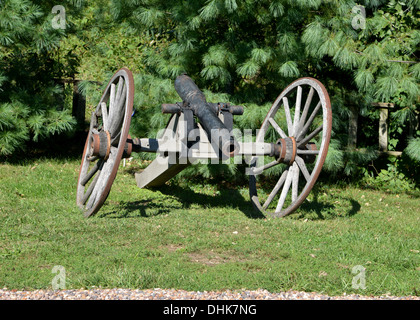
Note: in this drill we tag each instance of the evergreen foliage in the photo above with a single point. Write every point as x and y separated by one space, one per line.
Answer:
382 58
244 52
31 102
413 149
245 48
253 49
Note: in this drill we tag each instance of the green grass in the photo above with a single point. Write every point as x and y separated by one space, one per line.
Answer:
202 237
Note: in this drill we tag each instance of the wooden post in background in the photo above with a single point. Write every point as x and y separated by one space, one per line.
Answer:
383 124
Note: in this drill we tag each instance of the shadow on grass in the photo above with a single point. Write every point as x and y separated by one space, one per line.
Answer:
186 198
318 209
140 208
226 198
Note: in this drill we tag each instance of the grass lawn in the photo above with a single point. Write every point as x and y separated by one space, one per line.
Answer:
202 237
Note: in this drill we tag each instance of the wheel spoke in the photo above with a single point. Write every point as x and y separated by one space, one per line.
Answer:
105 118
112 104
297 109
115 140
288 117
93 121
275 190
256 171
120 88
119 114
305 109
93 192
307 152
302 167
295 182
277 128
92 171
310 136
89 190
285 190
309 122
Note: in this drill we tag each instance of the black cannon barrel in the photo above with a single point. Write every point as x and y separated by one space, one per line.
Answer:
205 112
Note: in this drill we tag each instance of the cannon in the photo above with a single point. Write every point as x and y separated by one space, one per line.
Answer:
285 156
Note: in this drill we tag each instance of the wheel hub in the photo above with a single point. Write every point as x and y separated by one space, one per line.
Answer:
285 150
100 145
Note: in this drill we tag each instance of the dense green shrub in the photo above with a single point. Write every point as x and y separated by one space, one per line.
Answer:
31 99
252 49
244 52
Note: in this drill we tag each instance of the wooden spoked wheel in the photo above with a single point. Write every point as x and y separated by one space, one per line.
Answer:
106 141
299 122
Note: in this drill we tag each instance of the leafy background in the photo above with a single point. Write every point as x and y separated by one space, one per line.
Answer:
244 52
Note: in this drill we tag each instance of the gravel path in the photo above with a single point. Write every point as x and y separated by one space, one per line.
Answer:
171 294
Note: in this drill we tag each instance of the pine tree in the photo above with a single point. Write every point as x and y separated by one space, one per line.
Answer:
377 46
253 49
31 105
245 48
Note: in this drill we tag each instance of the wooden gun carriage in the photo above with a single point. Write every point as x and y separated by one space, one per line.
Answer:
295 134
